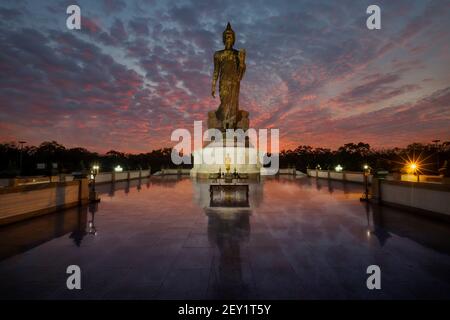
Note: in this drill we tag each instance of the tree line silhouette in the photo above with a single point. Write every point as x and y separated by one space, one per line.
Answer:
54 158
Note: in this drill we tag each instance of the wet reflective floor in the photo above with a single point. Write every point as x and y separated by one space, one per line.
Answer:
164 238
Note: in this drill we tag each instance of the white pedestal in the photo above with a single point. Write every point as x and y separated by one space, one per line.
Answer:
212 159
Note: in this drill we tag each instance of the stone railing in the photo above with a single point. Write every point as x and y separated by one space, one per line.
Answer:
24 201
177 171
350 176
30 180
108 177
422 196
421 178
288 171
102 177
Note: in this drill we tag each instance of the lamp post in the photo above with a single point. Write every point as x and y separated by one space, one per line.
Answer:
436 145
21 152
366 168
414 169
93 195
95 169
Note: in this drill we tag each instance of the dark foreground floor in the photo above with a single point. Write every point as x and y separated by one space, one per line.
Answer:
299 239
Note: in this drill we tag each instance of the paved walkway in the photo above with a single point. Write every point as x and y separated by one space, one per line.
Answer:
299 239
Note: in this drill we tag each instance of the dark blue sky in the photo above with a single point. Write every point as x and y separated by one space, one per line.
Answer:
139 69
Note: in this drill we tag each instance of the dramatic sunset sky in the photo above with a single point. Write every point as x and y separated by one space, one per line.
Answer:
139 69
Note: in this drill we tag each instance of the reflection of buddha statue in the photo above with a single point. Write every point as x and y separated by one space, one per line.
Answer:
228 231
229 68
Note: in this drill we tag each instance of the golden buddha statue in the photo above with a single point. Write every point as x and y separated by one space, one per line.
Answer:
229 68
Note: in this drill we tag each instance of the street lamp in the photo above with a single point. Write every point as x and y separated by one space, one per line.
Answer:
118 168
338 168
436 145
93 195
94 172
414 168
21 152
366 168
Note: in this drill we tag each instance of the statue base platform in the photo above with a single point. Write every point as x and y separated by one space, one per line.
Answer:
229 195
211 160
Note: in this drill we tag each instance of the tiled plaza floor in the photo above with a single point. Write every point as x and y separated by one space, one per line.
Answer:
299 239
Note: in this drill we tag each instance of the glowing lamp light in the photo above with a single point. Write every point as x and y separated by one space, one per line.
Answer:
338 168
96 167
366 167
118 169
412 167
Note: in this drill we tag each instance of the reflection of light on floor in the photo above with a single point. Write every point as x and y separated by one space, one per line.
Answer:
286 244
